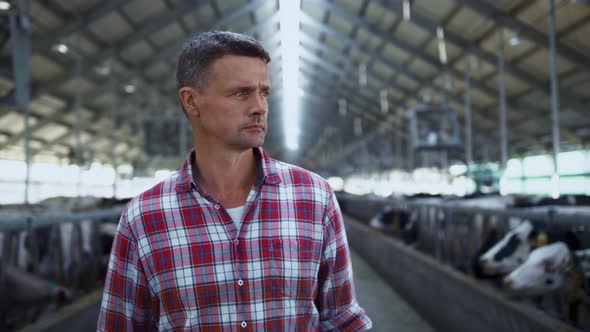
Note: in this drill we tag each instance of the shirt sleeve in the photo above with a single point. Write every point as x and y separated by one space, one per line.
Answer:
127 304
336 302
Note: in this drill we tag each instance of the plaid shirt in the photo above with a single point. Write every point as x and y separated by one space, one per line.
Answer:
179 263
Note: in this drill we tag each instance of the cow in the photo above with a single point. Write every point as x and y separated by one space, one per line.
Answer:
397 222
511 251
553 270
515 247
542 272
385 220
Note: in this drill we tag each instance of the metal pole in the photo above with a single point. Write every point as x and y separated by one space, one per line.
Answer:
502 101
445 89
78 106
468 143
398 140
554 99
20 29
114 108
410 155
139 124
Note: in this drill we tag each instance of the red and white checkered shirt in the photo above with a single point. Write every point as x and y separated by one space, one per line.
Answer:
179 263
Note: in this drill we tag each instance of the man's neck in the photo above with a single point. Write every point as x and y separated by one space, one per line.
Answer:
228 176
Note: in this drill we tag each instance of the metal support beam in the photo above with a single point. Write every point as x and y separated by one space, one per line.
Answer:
398 139
139 129
554 98
462 43
101 10
353 44
78 104
502 102
56 82
114 142
20 27
502 18
478 84
467 112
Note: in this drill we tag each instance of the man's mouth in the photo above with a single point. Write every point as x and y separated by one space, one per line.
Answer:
255 127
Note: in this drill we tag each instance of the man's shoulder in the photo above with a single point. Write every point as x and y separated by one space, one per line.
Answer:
152 200
295 175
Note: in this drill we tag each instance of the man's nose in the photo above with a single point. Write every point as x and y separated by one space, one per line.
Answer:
260 105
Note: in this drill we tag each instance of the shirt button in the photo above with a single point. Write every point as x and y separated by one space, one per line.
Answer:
244 324
240 282
236 242
217 206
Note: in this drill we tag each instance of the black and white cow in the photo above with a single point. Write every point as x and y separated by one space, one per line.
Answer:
553 270
397 222
510 252
543 271
515 247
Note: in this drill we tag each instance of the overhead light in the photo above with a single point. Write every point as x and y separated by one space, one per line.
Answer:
4 5
289 31
129 88
514 39
103 70
406 9
442 49
61 48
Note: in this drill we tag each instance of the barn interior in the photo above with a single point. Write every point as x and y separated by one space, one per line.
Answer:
450 130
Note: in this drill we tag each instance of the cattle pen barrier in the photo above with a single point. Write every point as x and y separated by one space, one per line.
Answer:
426 273
447 299
20 232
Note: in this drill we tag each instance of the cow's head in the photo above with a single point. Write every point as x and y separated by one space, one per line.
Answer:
543 271
510 252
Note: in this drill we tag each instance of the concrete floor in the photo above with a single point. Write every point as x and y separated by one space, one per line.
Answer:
386 308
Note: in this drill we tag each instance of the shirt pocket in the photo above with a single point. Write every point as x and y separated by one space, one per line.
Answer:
294 267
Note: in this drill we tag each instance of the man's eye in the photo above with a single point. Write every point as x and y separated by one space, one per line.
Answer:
241 93
265 94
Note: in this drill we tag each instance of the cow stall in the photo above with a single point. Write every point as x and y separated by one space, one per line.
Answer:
435 273
50 258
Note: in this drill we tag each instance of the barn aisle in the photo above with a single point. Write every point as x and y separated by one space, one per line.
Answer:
384 305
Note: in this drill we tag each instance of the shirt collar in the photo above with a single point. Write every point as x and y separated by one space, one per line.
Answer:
267 172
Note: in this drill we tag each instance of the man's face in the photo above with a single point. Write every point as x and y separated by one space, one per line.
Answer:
233 104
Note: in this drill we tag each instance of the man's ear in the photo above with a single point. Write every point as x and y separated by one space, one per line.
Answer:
189 97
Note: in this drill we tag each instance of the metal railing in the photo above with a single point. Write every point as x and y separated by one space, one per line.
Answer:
23 234
453 234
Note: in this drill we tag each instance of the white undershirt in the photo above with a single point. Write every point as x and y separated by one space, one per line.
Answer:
236 215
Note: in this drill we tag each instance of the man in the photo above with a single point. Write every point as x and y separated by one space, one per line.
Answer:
235 240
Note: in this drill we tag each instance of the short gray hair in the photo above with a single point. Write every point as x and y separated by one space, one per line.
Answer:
199 53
